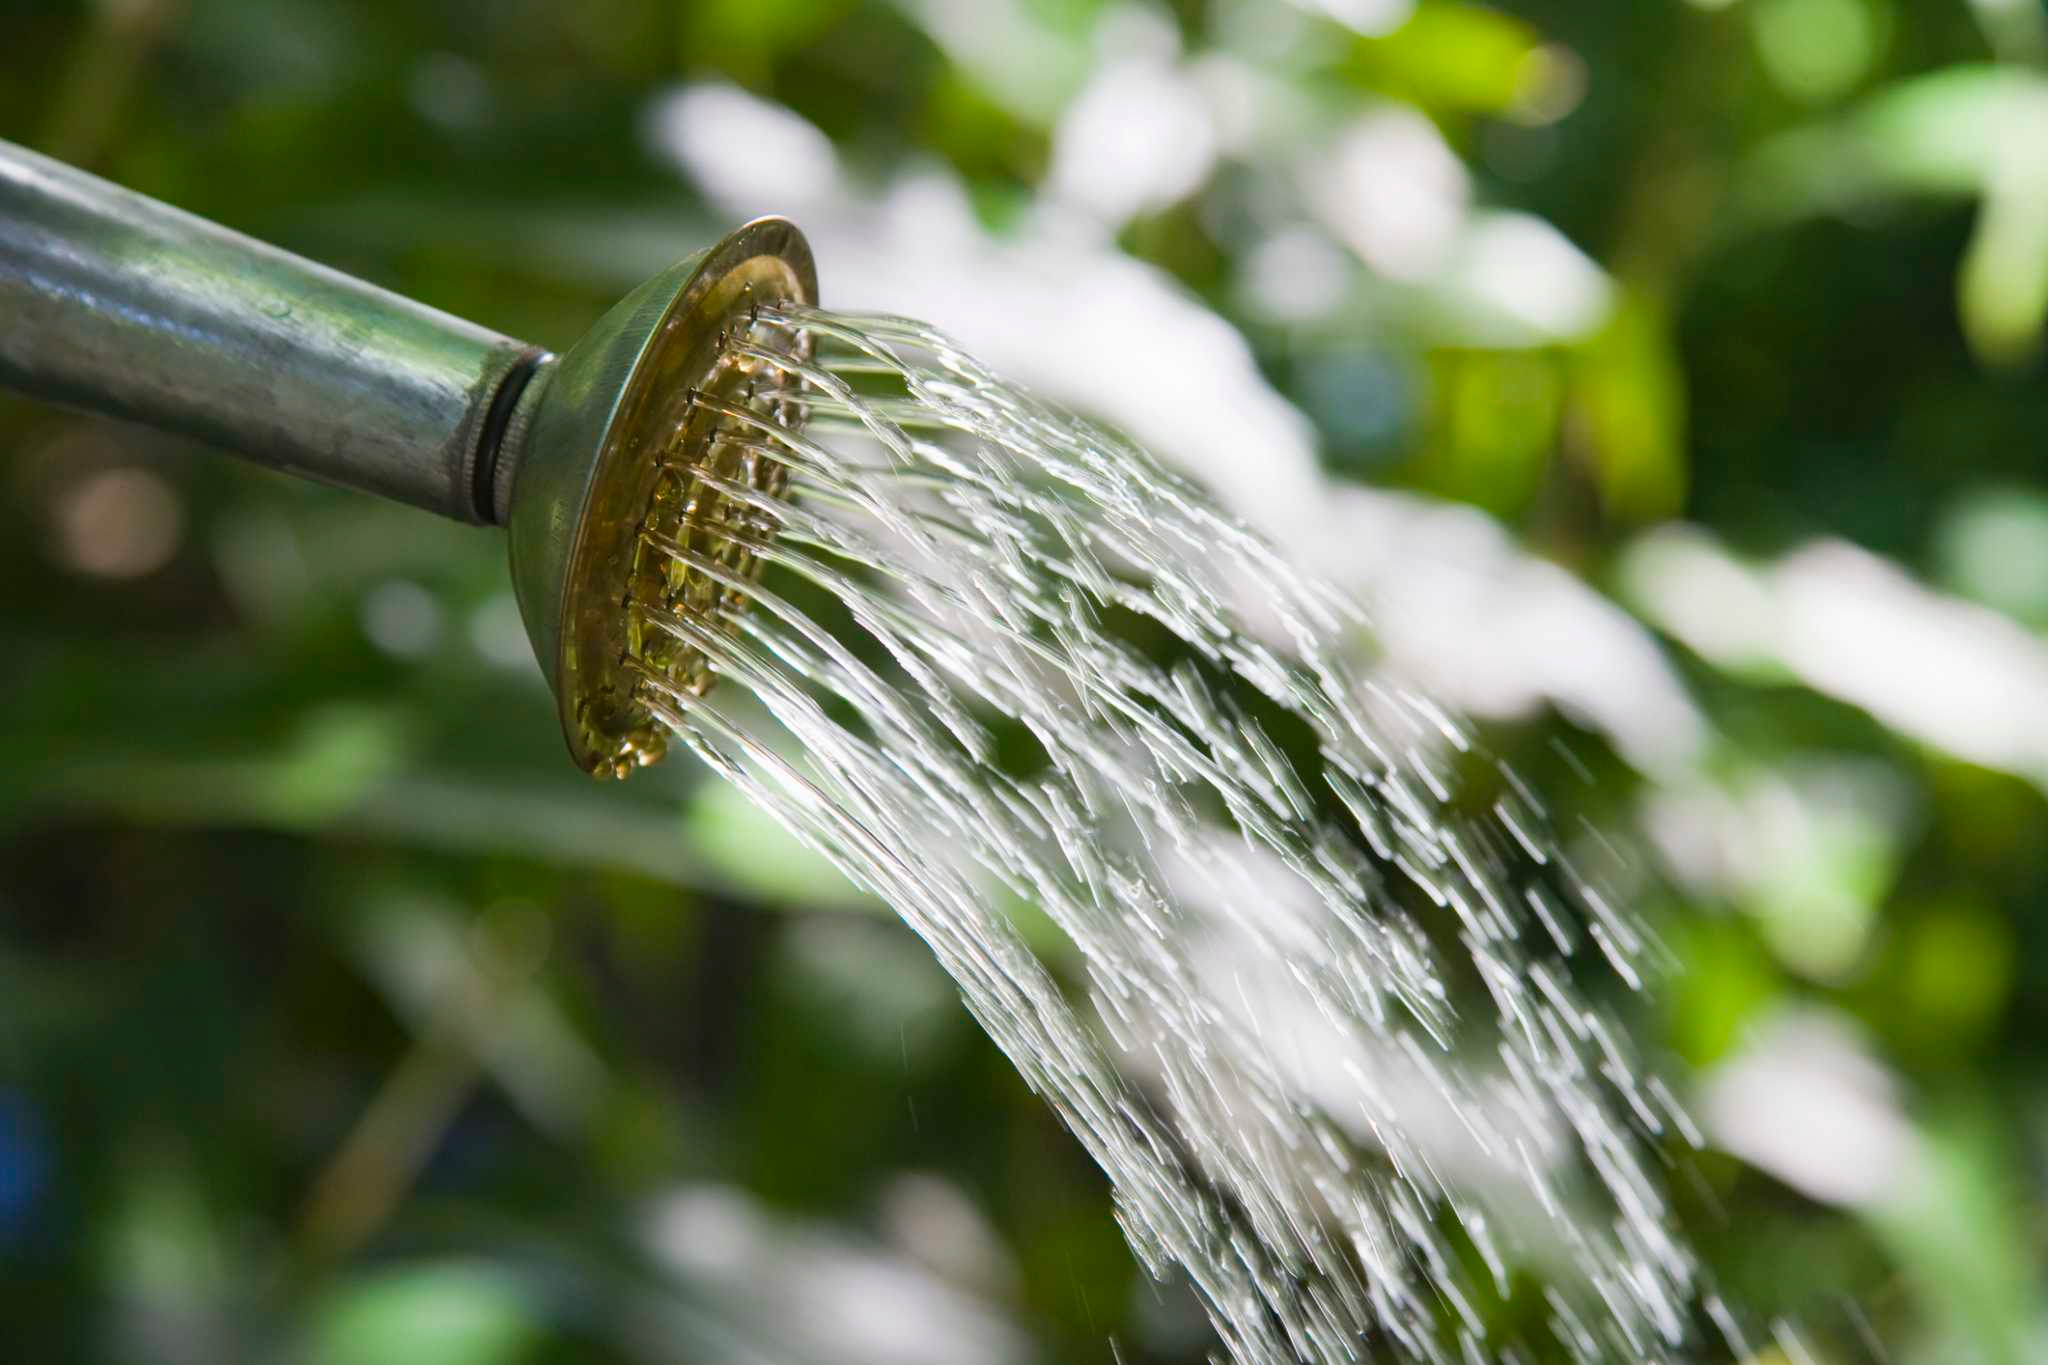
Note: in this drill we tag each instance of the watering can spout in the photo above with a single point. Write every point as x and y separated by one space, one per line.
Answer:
115 303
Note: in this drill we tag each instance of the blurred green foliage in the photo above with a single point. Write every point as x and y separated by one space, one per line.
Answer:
341 1021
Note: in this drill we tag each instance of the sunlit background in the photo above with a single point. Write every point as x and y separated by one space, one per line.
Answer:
1666 376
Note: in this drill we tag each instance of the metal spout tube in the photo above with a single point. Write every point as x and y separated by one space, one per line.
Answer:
115 303
118 304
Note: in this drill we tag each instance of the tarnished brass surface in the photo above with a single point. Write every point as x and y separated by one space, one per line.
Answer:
628 392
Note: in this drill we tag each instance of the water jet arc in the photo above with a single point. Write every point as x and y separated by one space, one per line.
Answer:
115 303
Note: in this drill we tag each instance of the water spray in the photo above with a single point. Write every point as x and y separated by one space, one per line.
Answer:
1298 1107
115 303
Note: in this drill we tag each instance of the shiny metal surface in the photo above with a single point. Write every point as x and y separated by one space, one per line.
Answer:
116 303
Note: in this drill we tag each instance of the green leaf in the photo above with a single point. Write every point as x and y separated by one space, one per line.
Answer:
1493 426
1956 1226
1626 405
1453 58
452 1313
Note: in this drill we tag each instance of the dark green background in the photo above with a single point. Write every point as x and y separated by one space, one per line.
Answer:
342 1021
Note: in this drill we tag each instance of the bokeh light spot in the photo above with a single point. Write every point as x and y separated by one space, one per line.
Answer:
119 523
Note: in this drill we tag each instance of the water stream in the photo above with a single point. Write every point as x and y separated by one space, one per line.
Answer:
1339 1050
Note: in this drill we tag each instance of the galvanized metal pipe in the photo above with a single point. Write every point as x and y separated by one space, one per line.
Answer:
118 304
115 303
